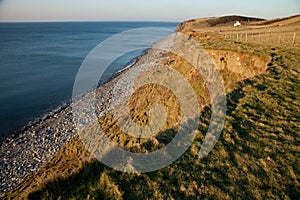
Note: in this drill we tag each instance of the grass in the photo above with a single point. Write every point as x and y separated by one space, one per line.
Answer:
256 157
278 32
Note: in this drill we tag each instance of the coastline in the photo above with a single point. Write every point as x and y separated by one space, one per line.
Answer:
28 148
65 104
256 117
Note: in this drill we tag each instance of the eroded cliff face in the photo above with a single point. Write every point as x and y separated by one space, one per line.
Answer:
186 25
237 66
233 65
246 65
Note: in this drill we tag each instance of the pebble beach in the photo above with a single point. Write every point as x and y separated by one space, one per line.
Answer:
25 151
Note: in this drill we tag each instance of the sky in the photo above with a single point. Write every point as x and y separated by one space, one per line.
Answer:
141 10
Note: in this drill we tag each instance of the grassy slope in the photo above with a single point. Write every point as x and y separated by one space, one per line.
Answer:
257 155
215 21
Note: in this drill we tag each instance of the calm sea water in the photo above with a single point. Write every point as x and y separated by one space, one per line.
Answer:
39 62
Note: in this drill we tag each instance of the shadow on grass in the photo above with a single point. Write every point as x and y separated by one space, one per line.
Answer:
86 182
241 171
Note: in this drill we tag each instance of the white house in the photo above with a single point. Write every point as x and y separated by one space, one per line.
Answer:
237 24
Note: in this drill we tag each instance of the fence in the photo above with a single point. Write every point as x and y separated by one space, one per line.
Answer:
265 37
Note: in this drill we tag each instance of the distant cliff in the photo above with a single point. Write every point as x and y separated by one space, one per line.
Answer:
214 21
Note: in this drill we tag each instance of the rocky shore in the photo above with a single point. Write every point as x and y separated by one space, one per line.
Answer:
26 151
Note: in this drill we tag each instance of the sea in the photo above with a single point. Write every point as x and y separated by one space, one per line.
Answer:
39 63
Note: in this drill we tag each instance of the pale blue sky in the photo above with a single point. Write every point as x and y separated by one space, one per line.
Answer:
141 10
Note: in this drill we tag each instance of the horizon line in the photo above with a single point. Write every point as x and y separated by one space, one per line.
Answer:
131 20
96 20
50 21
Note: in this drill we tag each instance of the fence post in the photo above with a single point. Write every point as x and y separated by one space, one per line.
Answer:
294 37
